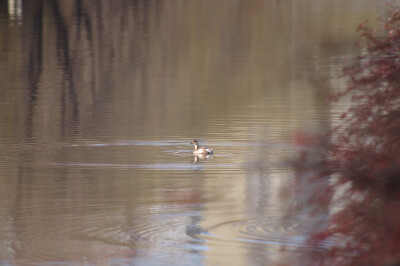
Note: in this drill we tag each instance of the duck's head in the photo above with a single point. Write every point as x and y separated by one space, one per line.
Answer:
196 145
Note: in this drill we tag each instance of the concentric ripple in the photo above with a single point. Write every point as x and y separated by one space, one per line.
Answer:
165 238
290 231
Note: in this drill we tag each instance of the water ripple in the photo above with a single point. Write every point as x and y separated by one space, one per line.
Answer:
160 166
290 231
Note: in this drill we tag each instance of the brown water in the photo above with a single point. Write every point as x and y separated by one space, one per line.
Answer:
99 101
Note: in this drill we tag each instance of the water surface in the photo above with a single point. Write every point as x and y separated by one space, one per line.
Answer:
99 103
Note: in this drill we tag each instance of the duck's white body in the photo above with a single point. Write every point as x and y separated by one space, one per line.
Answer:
201 150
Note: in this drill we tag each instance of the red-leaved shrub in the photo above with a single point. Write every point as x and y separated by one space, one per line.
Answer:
360 164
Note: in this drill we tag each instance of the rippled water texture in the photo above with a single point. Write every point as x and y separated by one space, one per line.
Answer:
99 101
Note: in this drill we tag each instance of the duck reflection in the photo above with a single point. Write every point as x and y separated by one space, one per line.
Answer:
198 157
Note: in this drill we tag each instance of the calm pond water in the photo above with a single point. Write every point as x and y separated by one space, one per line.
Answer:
99 103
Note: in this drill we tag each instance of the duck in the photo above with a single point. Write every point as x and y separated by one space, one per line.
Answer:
201 150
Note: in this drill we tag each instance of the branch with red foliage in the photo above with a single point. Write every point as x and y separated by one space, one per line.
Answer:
362 162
